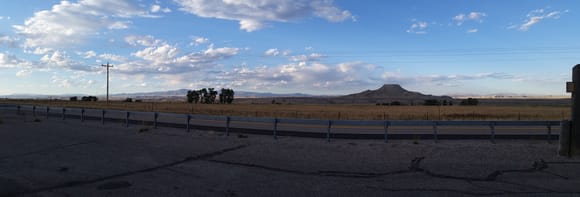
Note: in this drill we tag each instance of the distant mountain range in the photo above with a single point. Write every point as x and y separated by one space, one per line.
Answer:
153 95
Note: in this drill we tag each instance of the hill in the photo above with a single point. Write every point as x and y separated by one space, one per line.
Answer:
389 93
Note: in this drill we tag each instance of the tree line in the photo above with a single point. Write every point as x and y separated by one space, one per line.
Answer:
209 96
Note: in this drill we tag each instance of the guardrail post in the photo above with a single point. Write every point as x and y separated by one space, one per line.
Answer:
188 119
47 110
492 130
549 133
127 119
103 117
228 119
82 115
435 133
328 131
275 131
155 116
386 129
34 111
63 113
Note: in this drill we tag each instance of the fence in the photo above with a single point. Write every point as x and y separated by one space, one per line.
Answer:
301 127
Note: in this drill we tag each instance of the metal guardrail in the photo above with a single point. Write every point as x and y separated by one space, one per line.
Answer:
128 117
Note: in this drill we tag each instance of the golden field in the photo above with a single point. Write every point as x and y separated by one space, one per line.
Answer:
336 111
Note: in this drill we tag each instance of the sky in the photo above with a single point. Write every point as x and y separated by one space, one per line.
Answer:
320 47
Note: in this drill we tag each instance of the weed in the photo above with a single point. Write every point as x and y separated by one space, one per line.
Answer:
143 129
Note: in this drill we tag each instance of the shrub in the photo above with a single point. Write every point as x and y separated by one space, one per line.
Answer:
431 102
470 101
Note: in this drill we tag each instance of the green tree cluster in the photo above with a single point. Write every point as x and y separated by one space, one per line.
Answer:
209 96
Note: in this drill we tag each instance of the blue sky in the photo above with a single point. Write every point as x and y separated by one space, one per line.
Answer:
321 47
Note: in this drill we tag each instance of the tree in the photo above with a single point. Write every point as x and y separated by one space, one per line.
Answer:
193 96
470 101
226 96
89 98
74 98
212 95
209 96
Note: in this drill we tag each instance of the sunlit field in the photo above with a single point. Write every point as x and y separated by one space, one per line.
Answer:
335 112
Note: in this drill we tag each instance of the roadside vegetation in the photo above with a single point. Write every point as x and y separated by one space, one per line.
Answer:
335 111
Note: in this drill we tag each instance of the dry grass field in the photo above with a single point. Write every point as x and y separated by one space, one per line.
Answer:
342 112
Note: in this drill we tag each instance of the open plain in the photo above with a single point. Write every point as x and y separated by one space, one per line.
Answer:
66 158
544 110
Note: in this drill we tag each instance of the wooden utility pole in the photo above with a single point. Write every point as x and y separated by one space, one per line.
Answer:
107 66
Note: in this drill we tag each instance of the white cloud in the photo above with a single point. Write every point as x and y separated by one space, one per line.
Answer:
536 16
112 57
163 58
303 75
252 15
8 41
418 27
197 40
157 8
68 24
474 30
307 58
272 52
5 17
61 60
8 61
87 54
472 16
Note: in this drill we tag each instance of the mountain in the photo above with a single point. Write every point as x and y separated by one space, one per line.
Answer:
385 94
389 93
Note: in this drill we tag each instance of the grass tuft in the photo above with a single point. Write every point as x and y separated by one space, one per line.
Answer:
143 129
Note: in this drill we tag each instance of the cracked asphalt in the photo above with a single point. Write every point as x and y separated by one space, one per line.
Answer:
54 157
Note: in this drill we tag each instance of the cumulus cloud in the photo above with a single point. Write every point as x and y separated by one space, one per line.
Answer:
472 16
304 75
112 57
307 58
418 27
252 15
536 16
87 54
11 61
8 41
157 8
272 52
197 40
161 57
8 61
69 24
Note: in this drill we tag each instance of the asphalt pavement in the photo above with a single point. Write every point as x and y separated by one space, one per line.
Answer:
54 157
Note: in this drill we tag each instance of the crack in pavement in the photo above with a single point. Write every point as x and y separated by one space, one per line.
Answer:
49 149
128 173
538 166
465 192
